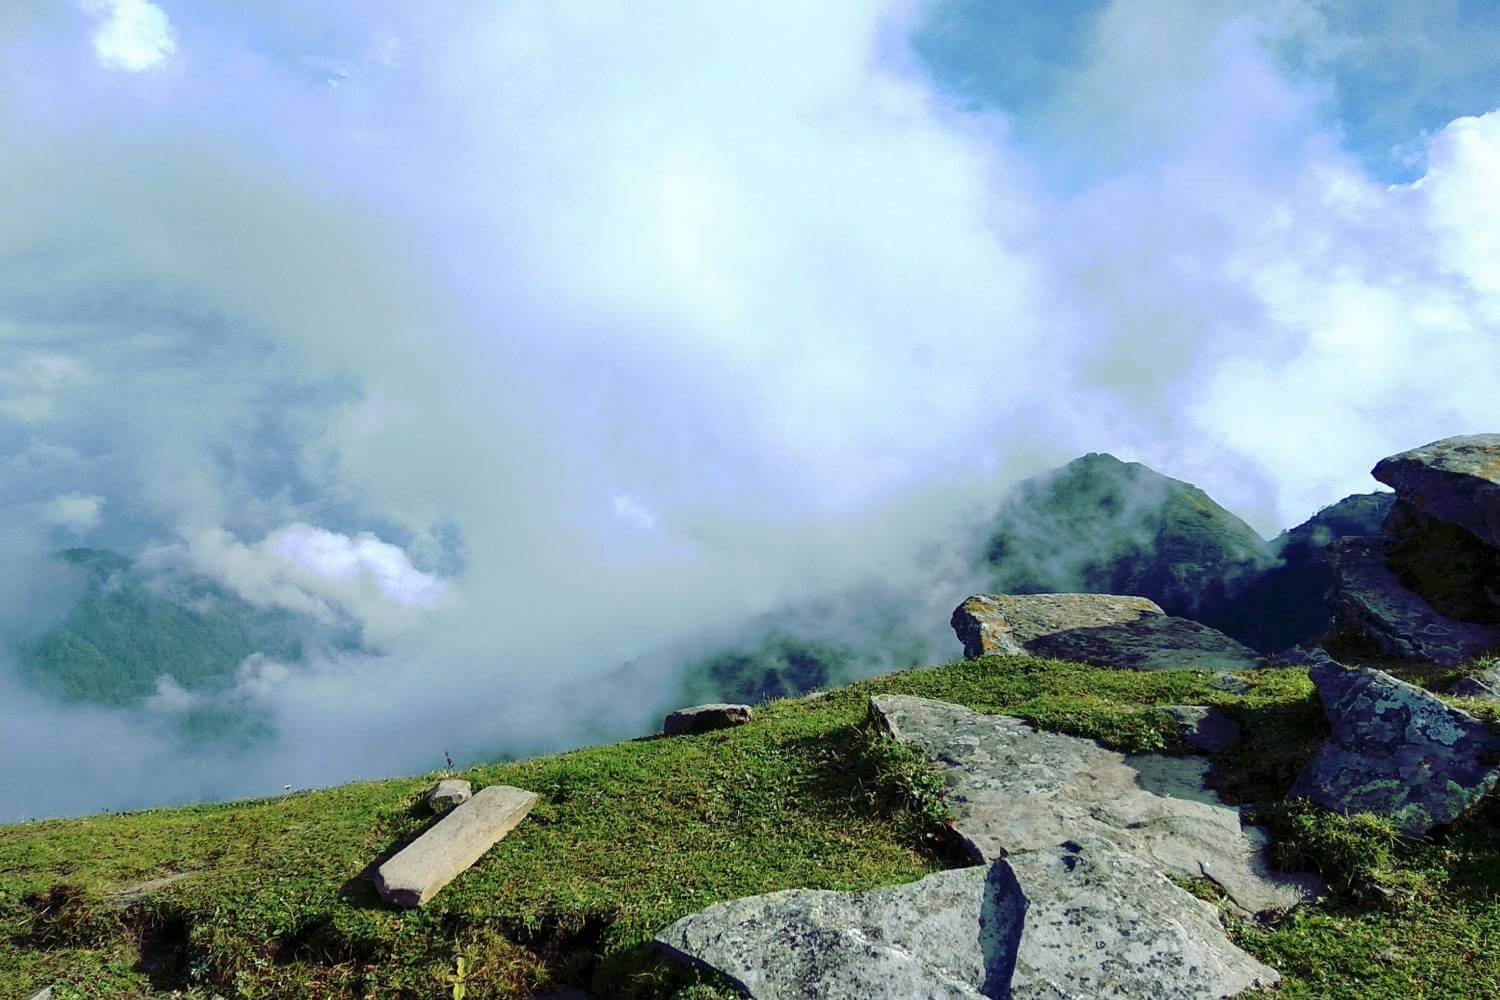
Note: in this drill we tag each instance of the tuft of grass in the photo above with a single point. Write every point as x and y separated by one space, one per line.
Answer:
1358 856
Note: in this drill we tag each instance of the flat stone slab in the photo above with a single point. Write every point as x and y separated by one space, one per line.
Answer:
1068 922
452 845
1455 480
1368 601
447 793
1012 788
704 718
1101 629
1397 751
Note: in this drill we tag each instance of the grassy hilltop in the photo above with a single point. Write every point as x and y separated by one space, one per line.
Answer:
270 899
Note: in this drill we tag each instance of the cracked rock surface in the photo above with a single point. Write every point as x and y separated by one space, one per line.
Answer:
1075 921
1012 788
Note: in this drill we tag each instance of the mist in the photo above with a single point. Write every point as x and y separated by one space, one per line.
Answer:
552 343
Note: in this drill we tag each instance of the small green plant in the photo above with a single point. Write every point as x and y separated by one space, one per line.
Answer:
460 978
902 780
1359 855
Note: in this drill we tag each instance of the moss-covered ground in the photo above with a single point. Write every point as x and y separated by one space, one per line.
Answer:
273 898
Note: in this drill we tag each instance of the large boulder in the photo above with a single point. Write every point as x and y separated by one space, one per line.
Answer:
1455 480
1443 534
1397 751
1065 922
1101 629
1012 788
1369 603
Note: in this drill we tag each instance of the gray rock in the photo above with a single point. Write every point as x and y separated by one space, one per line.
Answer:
1204 727
1485 684
1396 751
1103 923
1230 683
1012 788
702 718
446 794
1101 629
1302 656
1455 480
1079 920
437 857
1368 602
45 994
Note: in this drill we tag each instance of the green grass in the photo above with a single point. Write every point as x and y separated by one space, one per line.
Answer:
631 836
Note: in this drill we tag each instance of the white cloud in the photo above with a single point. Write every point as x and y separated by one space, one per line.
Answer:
134 35
77 512
314 571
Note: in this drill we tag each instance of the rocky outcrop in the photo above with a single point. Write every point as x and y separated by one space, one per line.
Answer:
704 718
1370 603
1397 751
1455 481
447 850
1012 788
1064 922
1101 629
1442 537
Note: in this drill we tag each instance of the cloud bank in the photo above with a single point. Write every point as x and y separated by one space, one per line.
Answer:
541 336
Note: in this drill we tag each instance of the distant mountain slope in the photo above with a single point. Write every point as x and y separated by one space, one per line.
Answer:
1284 604
1100 525
128 629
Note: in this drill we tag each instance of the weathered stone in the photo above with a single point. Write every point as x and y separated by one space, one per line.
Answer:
1369 603
1230 683
702 718
446 794
1065 922
1012 788
1396 751
1101 629
1302 656
1204 726
454 843
1456 480
1103 923
1452 570
1485 684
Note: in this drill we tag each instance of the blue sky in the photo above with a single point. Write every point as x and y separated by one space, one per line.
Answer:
449 314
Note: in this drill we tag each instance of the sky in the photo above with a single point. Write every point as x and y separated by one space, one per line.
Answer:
538 336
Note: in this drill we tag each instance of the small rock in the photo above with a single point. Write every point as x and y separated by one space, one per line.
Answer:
45 994
1368 602
447 793
1230 683
702 718
1484 685
1101 629
1012 788
454 843
1205 727
1070 922
1302 656
1396 751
